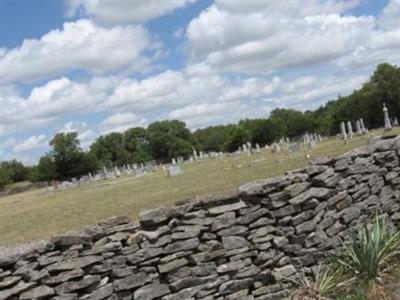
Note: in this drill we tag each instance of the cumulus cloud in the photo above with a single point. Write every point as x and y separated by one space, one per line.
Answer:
33 142
51 102
109 12
120 122
80 45
262 37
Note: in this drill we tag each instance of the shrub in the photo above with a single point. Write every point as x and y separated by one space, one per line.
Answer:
367 250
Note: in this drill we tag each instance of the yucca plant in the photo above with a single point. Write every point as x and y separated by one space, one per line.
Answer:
368 249
324 284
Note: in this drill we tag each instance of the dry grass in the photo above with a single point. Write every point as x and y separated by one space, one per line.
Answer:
37 214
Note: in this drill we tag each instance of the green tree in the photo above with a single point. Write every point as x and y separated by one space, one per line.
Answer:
168 139
46 169
237 138
4 178
70 161
137 144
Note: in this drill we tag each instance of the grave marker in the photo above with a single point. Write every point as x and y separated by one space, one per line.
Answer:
174 171
388 125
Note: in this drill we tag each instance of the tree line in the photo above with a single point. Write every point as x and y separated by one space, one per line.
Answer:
164 140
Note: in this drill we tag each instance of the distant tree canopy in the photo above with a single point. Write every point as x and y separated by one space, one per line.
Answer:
163 140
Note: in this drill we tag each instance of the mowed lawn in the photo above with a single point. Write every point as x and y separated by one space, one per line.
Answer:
38 214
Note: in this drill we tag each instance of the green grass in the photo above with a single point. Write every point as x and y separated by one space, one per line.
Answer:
37 214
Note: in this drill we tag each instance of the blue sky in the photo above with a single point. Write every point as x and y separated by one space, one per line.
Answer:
96 66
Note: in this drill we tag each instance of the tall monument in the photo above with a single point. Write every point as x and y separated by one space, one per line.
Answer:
388 125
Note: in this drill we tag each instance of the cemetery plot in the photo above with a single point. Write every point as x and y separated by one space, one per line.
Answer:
39 214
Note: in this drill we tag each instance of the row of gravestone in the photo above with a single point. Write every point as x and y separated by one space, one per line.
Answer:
126 170
346 128
136 170
309 142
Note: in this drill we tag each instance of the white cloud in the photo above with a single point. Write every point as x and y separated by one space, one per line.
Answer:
34 142
110 12
51 102
263 37
80 45
120 122
86 135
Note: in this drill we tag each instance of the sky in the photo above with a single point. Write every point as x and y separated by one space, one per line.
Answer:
98 66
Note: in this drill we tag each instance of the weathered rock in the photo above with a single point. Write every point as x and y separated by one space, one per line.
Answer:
151 291
38 292
72 286
72 238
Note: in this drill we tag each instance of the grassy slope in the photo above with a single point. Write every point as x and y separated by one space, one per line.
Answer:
37 214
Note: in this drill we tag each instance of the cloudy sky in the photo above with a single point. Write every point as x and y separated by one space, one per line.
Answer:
96 66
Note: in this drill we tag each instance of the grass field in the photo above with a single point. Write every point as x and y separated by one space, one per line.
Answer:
38 214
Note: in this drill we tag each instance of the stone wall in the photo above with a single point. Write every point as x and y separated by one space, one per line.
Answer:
245 245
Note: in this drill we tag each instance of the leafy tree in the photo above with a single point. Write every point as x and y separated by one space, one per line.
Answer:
4 179
168 139
110 149
68 157
137 144
46 170
212 138
15 170
237 138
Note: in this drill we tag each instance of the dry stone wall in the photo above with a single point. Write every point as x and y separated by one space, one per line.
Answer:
249 244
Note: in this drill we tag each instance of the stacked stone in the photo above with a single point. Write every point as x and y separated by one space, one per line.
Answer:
249 244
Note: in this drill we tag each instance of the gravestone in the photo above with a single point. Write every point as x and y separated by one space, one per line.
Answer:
312 144
388 125
315 137
117 172
90 177
84 179
139 172
51 189
174 171
174 161
343 131
258 150
358 128
275 148
149 168
350 129
195 154
293 148
306 139
110 175
363 129
395 122
320 137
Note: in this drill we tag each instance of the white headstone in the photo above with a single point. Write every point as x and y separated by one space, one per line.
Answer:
174 161
117 172
275 148
174 171
363 129
388 124
350 129
343 131
395 122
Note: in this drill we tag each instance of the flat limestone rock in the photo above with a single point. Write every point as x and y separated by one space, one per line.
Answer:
38 292
15 290
72 238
